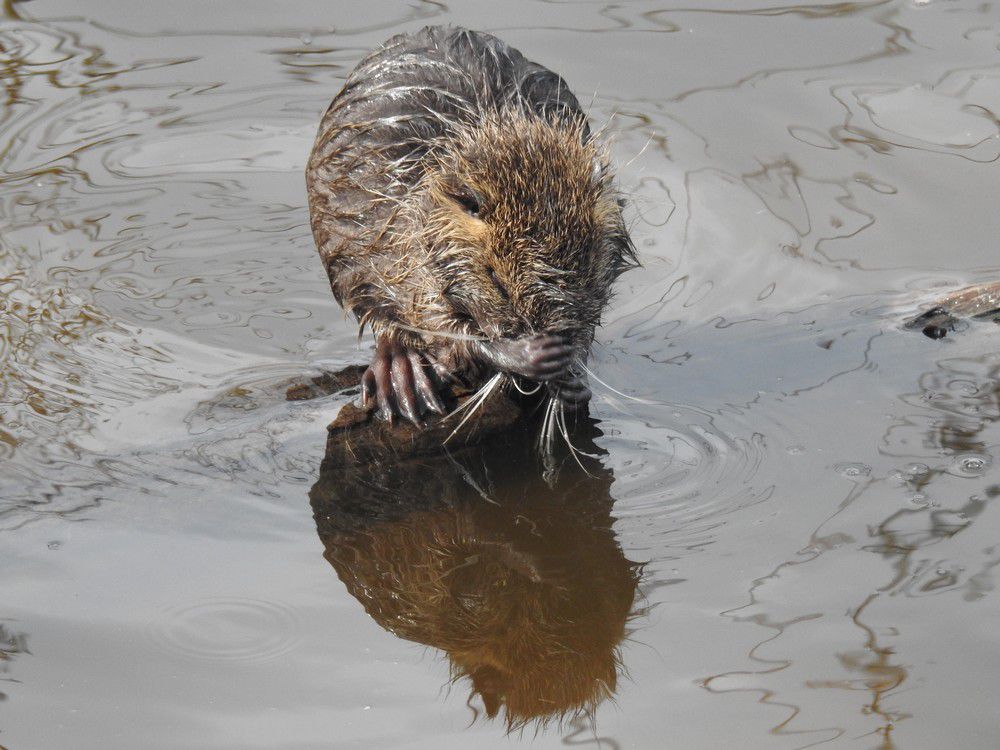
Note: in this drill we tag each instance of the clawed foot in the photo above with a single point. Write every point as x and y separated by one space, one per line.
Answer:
403 382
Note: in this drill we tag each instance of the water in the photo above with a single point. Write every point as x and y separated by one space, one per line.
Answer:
792 538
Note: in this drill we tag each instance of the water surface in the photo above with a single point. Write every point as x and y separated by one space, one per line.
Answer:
790 541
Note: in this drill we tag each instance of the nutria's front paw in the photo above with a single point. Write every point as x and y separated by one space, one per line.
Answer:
398 382
541 358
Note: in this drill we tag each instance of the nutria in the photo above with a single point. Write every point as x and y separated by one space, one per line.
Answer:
465 213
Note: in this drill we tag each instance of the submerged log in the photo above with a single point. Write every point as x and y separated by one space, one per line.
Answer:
357 436
979 302
326 384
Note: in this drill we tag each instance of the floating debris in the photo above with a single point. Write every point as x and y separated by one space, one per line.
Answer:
979 302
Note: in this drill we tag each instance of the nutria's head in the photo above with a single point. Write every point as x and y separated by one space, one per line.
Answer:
522 224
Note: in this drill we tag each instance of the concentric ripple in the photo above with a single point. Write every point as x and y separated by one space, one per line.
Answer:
228 629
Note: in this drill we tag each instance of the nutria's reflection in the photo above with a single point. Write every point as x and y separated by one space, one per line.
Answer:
520 582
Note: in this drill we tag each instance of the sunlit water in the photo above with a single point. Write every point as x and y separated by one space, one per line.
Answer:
793 540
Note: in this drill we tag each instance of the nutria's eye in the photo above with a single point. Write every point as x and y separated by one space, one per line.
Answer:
499 286
466 197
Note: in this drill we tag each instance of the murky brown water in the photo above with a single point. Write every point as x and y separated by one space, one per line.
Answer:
795 536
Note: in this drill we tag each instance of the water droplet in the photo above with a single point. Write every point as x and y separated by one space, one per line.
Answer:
853 470
969 465
917 470
965 387
795 450
918 498
305 39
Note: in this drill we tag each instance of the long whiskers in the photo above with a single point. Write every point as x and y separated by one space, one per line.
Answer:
641 151
574 451
614 390
441 334
474 403
553 420
546 434
517 386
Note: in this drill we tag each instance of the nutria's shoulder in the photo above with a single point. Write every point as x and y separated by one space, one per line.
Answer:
462 50
462 46
453 71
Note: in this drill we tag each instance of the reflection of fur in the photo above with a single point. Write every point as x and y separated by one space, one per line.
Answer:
529 596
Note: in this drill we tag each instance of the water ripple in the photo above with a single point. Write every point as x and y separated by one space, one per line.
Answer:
228 629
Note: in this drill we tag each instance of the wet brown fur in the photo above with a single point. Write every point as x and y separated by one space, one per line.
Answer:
388 199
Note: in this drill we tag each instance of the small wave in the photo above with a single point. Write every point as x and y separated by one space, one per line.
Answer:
227 629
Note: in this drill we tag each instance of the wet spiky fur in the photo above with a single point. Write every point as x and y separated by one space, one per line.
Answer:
521 583
435 124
